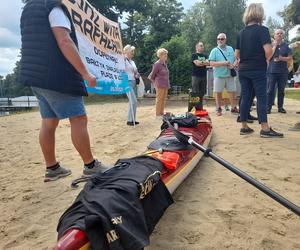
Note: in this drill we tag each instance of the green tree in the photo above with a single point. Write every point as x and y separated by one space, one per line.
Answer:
134 32
162 23
273 24
179 61
120 6
223 17
10 86
193 24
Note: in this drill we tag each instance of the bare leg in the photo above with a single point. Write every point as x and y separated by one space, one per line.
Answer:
265 126
218 98
80 138
232 99
47 140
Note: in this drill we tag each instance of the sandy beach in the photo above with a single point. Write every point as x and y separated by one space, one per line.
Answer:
213 209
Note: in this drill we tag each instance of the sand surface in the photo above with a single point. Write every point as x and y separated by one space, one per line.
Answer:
213 208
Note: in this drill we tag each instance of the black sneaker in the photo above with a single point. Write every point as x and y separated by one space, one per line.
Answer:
282 110
270 134
132 123
246 131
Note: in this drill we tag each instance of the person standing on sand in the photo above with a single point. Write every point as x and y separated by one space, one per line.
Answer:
221 58
296 45
253 51
199 81
133 74
278 71
52 67
160 78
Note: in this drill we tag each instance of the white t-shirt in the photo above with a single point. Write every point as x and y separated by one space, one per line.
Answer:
130 69
58 18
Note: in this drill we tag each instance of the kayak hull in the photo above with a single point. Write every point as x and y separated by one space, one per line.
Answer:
188 160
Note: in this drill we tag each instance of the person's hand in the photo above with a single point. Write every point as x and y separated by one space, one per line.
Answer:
276 59
91 79
280 58
236 64
226 63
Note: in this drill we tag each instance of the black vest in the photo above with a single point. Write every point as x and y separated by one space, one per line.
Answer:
42 63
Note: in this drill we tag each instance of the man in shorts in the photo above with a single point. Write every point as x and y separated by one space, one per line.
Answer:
52 67
221 58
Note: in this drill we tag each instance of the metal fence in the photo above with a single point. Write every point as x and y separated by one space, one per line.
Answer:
17 104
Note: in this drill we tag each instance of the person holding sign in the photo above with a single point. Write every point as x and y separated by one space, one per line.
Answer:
133 78
160 78
52 67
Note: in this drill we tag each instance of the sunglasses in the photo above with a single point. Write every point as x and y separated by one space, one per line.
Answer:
220 39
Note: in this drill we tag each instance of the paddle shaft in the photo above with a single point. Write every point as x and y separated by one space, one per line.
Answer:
277 197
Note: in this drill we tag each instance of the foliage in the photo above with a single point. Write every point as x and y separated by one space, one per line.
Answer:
193 24
119 6
293 12
10 86
179 61
161 24
293 94
273 24
223 17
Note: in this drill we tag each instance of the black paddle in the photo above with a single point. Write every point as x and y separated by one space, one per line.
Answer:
208 152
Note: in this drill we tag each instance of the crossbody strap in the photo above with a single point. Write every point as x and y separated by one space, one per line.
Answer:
134 68
223 54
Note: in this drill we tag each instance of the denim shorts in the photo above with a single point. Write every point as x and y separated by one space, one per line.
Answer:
58 105
224 82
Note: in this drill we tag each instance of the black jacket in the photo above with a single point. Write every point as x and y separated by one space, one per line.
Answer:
42 63
120 208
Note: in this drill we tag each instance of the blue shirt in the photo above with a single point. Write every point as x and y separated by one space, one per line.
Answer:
216 56
280 67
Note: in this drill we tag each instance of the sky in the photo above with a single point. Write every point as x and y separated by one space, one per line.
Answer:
10 39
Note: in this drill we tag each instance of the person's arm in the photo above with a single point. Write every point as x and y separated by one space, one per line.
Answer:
268 51
70 51
219 64
200 63
153 72
285 58
237 56
212 60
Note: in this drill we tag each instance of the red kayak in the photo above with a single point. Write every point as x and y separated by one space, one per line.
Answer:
178 162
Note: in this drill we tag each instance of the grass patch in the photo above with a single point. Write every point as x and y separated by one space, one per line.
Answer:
93 98
292 94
